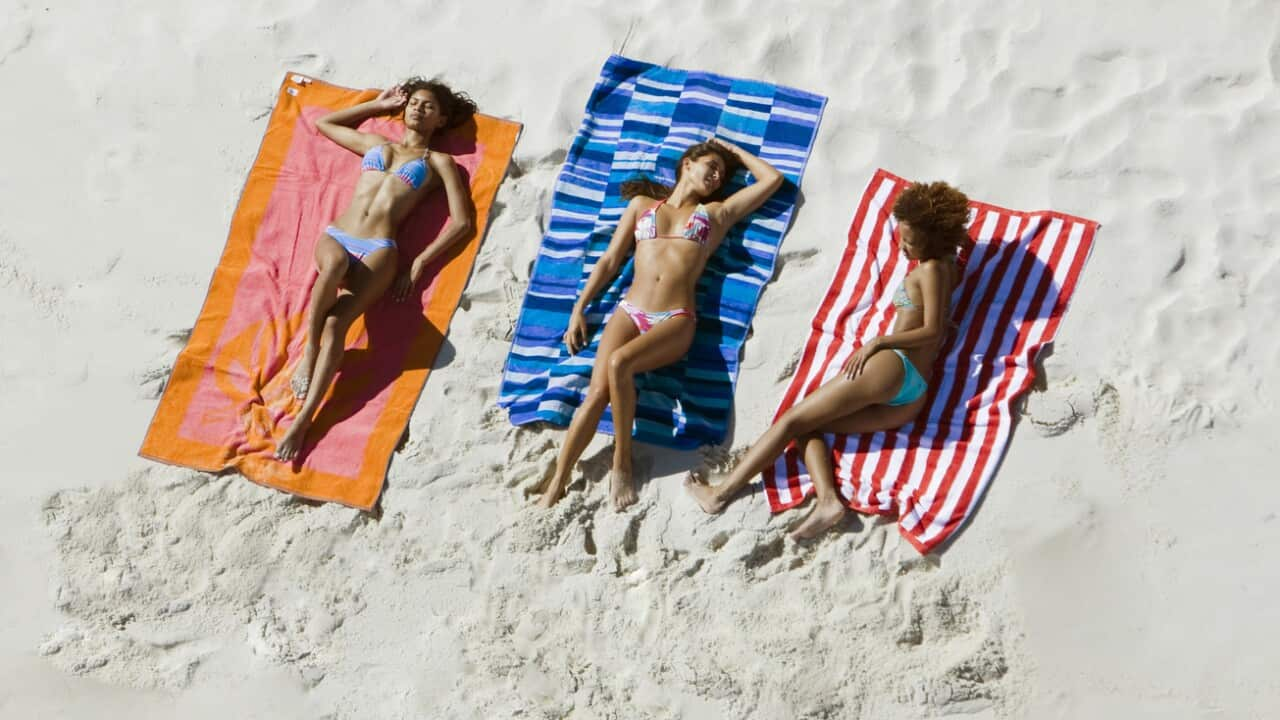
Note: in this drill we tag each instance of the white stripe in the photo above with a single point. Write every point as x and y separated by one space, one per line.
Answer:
785 112
1035 336
986 395
739 137
743 112
986 265
650 82
756 99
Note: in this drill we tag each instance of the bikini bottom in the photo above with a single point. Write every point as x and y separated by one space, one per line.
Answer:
646 320
358 247
913 385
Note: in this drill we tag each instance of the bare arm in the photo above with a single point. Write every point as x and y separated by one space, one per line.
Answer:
750 198
620 246
340 126
461 222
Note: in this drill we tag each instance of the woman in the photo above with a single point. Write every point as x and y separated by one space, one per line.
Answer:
673 232
356 255
882 385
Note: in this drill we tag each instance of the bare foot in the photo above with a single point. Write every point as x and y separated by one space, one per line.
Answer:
696 485
287 448
300 383
550 490
822 518
622 490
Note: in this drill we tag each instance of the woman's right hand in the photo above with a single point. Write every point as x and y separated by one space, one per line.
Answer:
391 100
575 338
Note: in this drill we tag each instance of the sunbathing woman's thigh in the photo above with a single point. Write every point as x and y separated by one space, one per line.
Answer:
618 331
368 279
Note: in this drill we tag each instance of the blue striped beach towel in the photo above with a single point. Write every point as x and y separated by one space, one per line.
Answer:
638 121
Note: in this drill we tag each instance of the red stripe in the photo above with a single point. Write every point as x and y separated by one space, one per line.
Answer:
882 312
1001 407
815 333
957 405
968 284
821 319
1014 338
997 253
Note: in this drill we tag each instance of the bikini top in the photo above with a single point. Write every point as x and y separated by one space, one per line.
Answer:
697 229
901 299
414 173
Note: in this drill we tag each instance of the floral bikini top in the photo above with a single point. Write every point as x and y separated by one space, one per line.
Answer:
413 173
697 229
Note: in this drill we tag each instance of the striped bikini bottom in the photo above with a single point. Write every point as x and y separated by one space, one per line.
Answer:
645 320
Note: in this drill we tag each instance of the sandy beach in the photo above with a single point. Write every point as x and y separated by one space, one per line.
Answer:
1116 568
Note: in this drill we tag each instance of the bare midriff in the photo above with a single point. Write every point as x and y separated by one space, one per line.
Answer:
666 273
380 203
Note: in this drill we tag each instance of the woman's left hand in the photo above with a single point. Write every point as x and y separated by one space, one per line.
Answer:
858 360
407 281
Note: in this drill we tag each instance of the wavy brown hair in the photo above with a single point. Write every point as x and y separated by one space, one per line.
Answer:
654 189
939 214
457 107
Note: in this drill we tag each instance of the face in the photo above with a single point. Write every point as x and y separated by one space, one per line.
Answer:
706 173
909 240
423 113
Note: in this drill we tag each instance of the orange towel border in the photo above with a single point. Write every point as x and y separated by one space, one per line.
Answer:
163 442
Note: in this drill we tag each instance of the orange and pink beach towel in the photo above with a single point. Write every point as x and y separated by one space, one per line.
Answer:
228 399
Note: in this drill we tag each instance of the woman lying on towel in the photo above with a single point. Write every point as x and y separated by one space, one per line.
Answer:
882 385
356 256
673 231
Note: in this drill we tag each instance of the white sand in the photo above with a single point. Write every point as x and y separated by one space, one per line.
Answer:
1119 567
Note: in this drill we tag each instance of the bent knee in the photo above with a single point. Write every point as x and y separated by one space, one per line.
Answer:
597 396
795 425
619 365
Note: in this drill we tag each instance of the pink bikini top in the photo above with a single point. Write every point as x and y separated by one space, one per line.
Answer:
697 229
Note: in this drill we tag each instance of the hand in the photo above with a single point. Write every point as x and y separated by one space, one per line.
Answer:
858 360
575 338
391 100
733 149
407 280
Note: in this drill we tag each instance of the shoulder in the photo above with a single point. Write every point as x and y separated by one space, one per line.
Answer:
641 202
440 160
930 270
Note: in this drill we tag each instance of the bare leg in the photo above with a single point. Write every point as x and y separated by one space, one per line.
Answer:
828 510
666 343
617 332
332 262
838 398
367 280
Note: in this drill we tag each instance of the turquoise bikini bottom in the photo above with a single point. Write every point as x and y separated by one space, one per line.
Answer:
913 385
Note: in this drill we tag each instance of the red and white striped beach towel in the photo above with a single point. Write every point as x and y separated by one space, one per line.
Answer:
1017 281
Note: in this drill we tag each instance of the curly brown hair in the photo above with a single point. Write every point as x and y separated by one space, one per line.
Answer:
654 189
939 214
456 106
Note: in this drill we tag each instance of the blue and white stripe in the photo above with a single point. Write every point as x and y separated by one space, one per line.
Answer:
639 120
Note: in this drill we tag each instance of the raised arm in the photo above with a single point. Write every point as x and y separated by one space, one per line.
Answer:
620 246
750 198
461 222
340 126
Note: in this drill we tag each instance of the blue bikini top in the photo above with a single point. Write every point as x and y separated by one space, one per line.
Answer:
697 229
414 173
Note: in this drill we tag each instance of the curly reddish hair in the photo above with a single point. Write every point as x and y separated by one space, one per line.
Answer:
457 107
939 214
